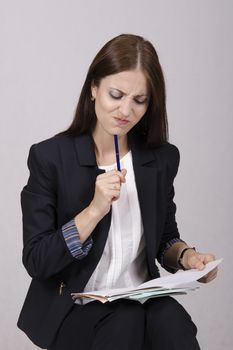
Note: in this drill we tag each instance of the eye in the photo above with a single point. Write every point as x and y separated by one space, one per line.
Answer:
141 102
115 97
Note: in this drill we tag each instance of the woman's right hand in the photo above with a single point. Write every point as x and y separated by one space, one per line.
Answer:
107 190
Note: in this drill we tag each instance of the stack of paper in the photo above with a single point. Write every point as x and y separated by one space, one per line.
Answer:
178 283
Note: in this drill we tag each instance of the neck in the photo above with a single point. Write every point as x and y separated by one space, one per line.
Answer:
105 147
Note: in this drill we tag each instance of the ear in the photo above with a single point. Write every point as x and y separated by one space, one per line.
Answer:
93 90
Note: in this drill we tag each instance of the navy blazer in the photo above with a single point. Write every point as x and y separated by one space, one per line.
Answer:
61 184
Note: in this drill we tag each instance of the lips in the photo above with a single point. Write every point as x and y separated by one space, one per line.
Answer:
121 121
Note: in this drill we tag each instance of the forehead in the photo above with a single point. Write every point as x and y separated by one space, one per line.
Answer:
133 81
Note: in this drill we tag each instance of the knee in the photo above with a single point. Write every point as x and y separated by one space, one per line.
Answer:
166 314
122 328
129 313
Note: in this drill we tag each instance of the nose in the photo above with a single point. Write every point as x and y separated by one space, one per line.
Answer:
125 107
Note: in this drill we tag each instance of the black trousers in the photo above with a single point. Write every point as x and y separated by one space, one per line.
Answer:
159 324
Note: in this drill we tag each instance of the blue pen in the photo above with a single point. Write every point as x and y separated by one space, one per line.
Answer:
117 153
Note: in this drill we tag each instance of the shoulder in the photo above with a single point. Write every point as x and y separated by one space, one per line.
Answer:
168 153
44 160
52 145
168 150
46 152
168 156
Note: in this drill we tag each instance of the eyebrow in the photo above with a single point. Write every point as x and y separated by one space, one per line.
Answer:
122 92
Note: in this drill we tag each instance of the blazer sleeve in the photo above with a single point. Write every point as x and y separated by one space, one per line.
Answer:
45 252
170 231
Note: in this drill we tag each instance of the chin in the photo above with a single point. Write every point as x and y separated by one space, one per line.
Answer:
121 132
117 131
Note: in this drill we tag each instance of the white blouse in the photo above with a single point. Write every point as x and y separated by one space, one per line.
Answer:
123 262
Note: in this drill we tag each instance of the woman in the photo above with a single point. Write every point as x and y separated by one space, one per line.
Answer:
88 226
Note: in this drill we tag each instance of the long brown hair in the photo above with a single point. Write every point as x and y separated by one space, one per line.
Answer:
125 52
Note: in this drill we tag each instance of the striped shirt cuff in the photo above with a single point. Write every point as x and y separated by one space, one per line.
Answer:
78 249
168 245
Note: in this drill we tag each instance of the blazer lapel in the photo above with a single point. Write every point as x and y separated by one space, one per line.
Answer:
147 177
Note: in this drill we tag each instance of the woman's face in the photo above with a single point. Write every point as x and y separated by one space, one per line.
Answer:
121 100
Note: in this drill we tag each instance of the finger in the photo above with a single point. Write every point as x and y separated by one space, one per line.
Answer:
114 175
124 172
208 258
195 261
215 270
114 186
109 190
203 260
121 174
120 177
113 179
209 277
107 174
109 180
114 195
212 273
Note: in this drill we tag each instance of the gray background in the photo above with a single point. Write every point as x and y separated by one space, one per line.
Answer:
46 48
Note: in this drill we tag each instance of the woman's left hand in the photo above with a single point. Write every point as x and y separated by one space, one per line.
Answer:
195 260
